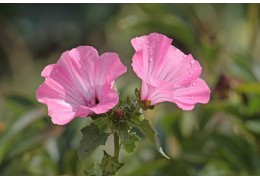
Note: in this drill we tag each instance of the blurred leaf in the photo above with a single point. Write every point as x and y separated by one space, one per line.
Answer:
92 138
20 99
253 126
242 68
249 88
148 168
17 127
188 124
253 105
95 171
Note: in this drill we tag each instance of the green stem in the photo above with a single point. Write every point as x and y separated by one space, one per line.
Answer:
116 145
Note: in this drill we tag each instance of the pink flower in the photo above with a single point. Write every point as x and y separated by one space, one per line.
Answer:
80 84
167 73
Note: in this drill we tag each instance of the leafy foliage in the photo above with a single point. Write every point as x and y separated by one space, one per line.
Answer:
92 138
109 166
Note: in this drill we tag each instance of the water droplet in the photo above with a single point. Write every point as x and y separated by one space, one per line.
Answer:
193 84
192 62
151 59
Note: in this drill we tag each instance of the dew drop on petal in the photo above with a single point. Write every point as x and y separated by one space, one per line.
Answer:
192 62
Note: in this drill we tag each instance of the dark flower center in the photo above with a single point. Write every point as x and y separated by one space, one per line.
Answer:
96 100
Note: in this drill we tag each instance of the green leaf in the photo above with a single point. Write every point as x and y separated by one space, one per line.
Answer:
97 116
130 142
95 171
92 138
110 165
151 134
136 116
101 123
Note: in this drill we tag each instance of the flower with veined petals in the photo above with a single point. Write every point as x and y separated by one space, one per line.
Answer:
80 84
167 74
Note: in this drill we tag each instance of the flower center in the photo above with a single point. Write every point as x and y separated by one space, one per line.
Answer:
96 100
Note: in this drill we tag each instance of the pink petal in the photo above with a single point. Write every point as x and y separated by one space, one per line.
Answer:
111 66
156 94
77 66
62 112
84 55
150 53
178 68
197 92
107 69
61 99
47 70
51 89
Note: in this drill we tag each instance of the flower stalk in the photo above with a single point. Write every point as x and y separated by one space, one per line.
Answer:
116 145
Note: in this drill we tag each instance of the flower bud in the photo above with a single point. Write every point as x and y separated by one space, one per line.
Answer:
118 114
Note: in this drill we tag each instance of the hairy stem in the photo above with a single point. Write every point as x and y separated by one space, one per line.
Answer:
116 145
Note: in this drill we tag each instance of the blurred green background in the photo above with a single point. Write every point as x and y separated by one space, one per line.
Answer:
220 138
